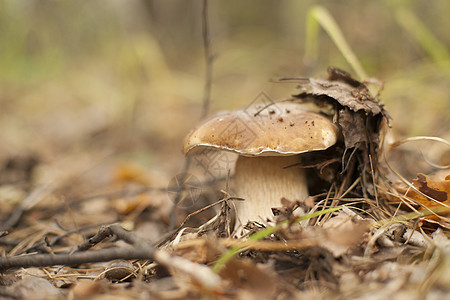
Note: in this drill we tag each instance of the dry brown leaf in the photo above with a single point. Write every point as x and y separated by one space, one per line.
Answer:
88 288
31 287
198 250
253 282
119 271
188 272
125 205
128 172
343 233
342 88
355 105
359 115
439 190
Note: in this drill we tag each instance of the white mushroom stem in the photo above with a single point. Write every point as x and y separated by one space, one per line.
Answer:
262 182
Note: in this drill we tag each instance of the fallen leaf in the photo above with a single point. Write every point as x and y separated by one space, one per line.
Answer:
119 271
359 115
88 288
128 172
342 89
439 190
253 282
126 205
343 233
198 250
187 271
31 287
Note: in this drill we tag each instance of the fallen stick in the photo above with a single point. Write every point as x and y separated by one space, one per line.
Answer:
45 260
139 250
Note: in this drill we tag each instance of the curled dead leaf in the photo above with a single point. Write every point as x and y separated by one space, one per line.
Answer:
120 271
359 115
437 190
429 193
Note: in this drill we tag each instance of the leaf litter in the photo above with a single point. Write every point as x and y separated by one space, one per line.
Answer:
363 236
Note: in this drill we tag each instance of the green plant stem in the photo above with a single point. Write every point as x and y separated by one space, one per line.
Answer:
413 215
437 51
227 256
320 15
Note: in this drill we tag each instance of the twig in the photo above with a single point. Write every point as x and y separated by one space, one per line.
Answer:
180 227
206 99
56 239
103 233
344 167
44 260
108 231
140 250
13 219
180 188
328 197
38 194
26 204
208 59
207 207
373 181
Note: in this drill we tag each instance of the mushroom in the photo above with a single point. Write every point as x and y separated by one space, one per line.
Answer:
268 141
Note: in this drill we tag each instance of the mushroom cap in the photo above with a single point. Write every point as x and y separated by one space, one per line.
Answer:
281 129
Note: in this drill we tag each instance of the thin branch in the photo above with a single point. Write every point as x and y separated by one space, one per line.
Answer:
180 188
181 226
206 100
26 204
51 242
188 217
140 250
208 59
45 260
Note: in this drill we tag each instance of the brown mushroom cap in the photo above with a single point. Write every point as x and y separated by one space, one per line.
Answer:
282 129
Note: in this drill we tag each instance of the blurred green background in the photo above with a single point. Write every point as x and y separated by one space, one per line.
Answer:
128 76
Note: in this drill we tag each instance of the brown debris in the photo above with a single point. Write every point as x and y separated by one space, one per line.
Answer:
427 193
437 190
342 89
341 256
251 280
360 117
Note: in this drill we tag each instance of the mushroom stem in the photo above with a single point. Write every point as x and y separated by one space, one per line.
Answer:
262 182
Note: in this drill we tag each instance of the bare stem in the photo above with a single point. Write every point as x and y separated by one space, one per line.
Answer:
140 250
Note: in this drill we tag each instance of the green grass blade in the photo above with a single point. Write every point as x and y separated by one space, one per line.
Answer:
437 51
412 216
311 42
319 15
222 261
